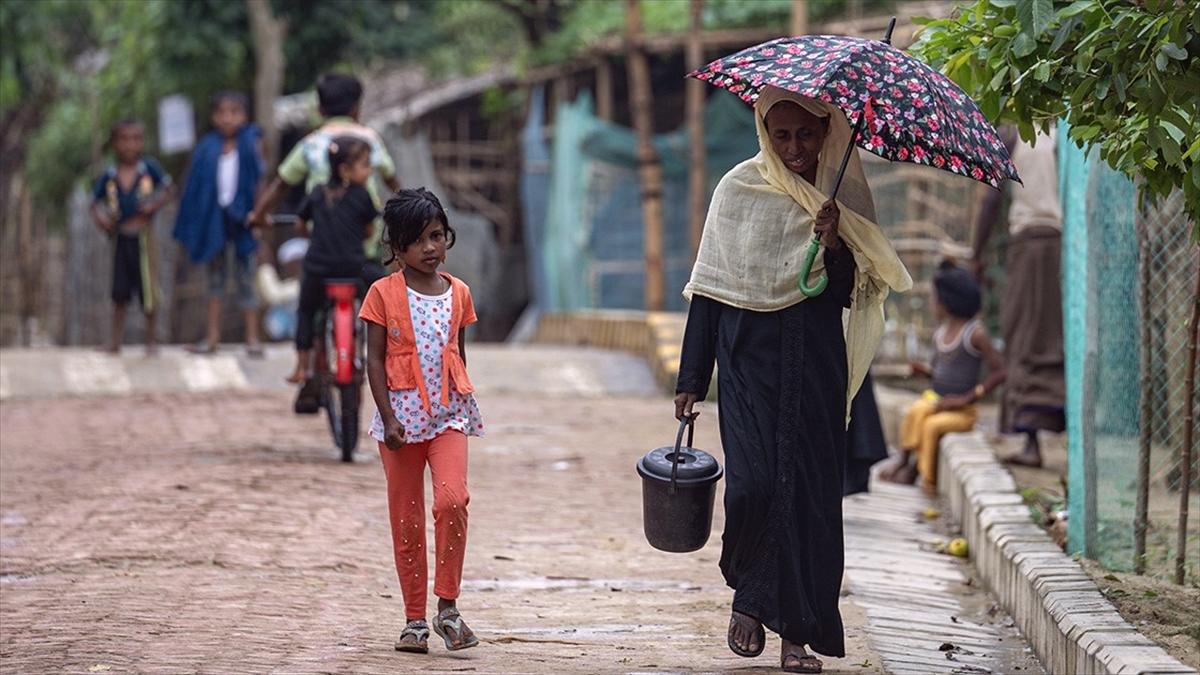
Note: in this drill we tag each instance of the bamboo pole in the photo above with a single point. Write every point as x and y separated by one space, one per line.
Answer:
649 169
697 178
799 23
604 90
1189 422
1145 425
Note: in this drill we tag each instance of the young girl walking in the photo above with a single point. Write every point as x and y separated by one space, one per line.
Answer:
416 363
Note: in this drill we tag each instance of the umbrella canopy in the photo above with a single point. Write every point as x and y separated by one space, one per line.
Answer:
912 112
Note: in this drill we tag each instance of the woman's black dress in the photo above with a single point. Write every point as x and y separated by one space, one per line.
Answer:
781 382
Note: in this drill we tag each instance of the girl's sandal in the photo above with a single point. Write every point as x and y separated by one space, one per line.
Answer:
795 663
760 636
414 638
450 620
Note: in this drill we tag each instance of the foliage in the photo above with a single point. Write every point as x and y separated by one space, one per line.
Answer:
1125 75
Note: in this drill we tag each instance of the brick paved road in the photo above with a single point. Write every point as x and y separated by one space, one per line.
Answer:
215 532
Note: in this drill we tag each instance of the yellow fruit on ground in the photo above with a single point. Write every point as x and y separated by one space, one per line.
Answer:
930 513
957 547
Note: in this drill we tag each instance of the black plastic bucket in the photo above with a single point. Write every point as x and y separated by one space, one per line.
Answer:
679 485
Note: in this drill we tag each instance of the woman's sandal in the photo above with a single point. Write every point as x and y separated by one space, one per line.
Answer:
800 664
414 638
760 636
450 620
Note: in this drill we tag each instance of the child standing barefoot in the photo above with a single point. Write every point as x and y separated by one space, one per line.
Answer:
417 368
126 197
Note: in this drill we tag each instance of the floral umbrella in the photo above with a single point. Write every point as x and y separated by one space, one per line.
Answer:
912 113
900 108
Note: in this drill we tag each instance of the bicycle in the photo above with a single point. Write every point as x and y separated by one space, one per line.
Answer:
337 359
339 363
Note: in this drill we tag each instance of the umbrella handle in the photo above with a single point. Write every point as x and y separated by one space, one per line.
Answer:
810 257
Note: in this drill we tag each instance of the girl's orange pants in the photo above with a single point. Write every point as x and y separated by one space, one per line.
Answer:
405 472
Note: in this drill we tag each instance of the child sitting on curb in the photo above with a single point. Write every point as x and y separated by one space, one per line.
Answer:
961 345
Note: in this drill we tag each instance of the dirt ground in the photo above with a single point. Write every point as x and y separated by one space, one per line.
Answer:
217 533
1163 611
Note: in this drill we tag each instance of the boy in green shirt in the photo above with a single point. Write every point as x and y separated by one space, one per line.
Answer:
340 100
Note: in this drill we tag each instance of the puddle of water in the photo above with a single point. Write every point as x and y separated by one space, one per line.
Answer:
13 518
13 578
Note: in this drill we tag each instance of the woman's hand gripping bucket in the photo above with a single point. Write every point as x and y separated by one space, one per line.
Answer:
679 487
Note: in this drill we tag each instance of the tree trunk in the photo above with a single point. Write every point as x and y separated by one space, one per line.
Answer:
649 169
268 33
697 178
799 24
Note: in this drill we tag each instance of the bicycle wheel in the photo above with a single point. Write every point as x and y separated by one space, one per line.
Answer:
331 402
348 395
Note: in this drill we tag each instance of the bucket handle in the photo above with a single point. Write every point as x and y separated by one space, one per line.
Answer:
687 422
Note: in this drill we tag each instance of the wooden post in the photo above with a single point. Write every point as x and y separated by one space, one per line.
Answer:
1185 452
697 177
649 169
799 24
604 90
268 33
1146 424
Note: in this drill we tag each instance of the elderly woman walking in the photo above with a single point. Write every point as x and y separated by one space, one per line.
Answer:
788 366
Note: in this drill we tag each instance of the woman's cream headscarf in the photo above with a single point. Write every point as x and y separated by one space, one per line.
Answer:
760 222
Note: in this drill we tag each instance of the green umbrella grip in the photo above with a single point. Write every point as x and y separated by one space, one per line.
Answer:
810 256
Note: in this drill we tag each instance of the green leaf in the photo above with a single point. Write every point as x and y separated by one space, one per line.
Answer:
991 106
1023 45
1025 127
1102 88
998 80
1084 88
1035 16
1173 131
1194 149
1064 31
1174 51
1160 61
1076 7
1120 82
1004 31
1003 4
1042 72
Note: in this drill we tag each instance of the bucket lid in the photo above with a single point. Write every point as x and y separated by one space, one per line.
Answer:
693 463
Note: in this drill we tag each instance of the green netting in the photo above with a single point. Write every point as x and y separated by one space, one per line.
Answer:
591 245
1119 349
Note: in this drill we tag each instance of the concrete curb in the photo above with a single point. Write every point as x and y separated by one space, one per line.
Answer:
1059 609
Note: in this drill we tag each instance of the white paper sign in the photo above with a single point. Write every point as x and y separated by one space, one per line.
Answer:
176 125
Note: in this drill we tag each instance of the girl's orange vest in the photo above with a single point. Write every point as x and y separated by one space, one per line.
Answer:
386 304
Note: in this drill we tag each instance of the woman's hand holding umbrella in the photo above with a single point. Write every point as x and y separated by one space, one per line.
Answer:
827 225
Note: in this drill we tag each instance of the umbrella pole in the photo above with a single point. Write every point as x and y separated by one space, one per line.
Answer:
814 246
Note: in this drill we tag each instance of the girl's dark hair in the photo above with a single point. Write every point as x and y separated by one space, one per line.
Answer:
235 97
405 216
344 150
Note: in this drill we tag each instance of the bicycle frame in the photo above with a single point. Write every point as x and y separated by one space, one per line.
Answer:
342 295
